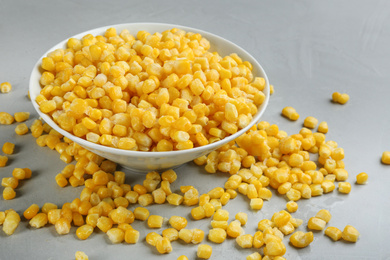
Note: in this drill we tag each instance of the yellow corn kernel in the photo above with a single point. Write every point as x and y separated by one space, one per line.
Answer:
274 247
324 215
31 211
21 129
186 235
234 229
204 251
290 113
62 226
258 239
316 223
164 246
310 122
242 217
361 178
3 160
10 182
197 236
178 222
301 239
84 231
334 233
9 193
344 187
141 213
170 233
385 157
19 173
61 180
292 206
245 241
152 238
254 256
155 221
47 207
104 223
80 255
11 222
217 235
281 218
39 220
182 257
350 234
198 213
221 215
6 118
175 199
5 87
256 203
323 127
8 148
131 236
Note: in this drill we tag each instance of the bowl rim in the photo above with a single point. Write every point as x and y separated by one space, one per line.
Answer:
116 151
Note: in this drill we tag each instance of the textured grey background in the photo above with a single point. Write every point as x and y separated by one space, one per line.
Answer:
309 49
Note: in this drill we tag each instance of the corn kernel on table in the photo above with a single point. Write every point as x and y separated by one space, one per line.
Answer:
309 49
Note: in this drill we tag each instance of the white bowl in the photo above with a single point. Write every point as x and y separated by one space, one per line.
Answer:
147 161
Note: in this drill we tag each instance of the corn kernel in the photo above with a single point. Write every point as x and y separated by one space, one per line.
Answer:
361 178
350 234
131 236
31 211
39 220
290 113
217 235
344 187
11 222
204 251
79 255
310 122
292 206
5 87
334 233
301 239
9 193
385 157
155 221
316 223
8 148
245 241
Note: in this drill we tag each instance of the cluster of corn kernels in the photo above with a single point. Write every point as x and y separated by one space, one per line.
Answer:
157 92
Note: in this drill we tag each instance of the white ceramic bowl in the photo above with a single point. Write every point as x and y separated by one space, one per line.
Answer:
147 161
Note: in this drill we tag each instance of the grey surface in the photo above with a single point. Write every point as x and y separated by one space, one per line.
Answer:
309 49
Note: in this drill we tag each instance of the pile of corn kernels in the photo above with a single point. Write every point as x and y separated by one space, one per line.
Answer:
263 159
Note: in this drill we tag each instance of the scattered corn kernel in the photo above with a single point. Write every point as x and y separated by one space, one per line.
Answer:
386 157
5 87
204 251
362 178
350 234
80 255
316 223
340 98
301 239
310 122
6 118
8 148
290 113
333 232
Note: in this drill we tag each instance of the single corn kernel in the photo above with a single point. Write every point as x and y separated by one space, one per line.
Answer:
31 211
292 206
155 221
323 127
316 223
152 238
21 129
9 193
186 235
141 213
62 226
324 215
234 229
182 257
217 235
80 255
39 220
6 118
290 113
350 234
245 241
178 222
21 116
344 187
334 233
386 157
8 148
362 178
171 233
5 87
131 236
84 231
301 239
164 246
254 256
310 122
3 160
11 222
242 217
204 251
256 204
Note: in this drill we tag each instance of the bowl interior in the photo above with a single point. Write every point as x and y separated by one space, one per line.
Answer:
145 161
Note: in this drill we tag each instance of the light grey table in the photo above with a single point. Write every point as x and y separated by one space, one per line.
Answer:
309 49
